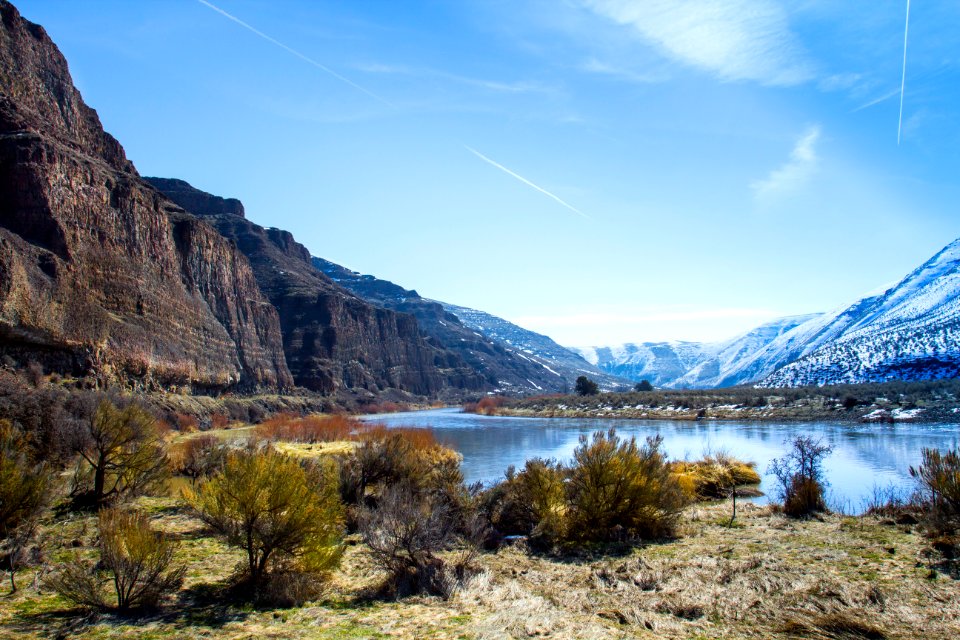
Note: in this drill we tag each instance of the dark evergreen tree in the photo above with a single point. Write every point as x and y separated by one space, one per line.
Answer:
586 387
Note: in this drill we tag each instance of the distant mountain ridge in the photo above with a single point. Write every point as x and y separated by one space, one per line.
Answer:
513 359
910 331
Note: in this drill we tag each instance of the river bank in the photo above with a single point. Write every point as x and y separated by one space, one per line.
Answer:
933 402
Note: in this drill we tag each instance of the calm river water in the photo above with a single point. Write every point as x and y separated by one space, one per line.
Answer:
864 456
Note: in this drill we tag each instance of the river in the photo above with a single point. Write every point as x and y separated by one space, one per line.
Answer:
864 455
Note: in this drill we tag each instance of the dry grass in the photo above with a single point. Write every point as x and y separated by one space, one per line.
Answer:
714 476
769 577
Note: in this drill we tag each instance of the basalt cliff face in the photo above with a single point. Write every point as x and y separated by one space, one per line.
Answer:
333 340
100 274
512 359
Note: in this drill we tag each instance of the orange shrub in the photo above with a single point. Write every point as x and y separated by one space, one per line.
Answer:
219 421
385 407
186 422
420 438
486 406
310 429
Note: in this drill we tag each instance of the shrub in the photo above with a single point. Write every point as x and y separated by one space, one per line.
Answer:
198 457
121 454
186 422
485 406
939 479
643 385
219 421
283 516
24 492
137 560
714 476
586 387
531 503
800 477
618 487
405 532
393 456
310 429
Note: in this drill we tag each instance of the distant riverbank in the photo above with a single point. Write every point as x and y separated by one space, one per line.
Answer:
930 402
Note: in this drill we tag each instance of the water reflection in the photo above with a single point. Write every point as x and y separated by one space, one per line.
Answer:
863 456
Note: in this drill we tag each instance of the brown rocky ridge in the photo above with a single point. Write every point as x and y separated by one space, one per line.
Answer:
333 339
100 274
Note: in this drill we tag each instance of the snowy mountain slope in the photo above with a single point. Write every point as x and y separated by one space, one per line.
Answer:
536 348
735 362
661 363
910 331
693 364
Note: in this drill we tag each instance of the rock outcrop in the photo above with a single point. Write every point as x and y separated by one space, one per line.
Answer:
334 341
99 272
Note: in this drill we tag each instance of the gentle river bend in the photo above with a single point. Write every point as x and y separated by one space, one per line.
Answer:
864 455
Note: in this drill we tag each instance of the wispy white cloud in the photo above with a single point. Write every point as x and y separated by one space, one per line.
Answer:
498 86
293 51
877 101
794 173
734 39
593 65
526 182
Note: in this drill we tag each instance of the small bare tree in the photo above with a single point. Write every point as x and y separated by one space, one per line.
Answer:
404 534
800 474
121 454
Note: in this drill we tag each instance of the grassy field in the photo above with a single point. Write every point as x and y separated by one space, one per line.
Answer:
765 576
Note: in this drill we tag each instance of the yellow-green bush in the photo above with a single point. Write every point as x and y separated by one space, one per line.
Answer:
615 489
618 488
134 558
714 476
939 479
285 517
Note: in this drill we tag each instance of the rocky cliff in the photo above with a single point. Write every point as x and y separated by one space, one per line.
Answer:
99 272
513 360
333 340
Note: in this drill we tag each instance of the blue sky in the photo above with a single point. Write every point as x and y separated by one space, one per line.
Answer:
601 171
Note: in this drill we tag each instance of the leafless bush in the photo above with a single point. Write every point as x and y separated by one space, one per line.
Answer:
405 533
198 457
800 476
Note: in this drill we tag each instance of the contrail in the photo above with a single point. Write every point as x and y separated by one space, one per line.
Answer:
525 181
294 52
903 79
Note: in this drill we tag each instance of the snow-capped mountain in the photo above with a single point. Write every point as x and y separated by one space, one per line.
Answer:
733 362
692 364
661 363
536 348
910 331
